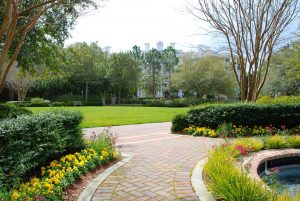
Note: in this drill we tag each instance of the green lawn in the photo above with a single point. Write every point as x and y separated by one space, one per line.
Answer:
119 115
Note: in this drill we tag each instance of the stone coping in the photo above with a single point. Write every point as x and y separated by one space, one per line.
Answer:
252 162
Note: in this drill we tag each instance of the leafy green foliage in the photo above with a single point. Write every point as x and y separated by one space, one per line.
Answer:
29 141
246 115
179 122
284 75
10 110
124 73
278 100
204 76
152 67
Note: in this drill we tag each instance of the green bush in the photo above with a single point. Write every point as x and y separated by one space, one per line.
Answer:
180 102
279 99
38 102
10 110
57 104
29 141
179 122
244 115
89 103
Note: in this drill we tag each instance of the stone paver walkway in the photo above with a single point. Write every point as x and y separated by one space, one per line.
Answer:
161 165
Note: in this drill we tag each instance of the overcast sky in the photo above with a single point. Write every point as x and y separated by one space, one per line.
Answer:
124 23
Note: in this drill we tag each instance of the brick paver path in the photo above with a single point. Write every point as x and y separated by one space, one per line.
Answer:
161 165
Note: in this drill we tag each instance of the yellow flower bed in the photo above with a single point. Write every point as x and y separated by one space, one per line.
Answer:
60 174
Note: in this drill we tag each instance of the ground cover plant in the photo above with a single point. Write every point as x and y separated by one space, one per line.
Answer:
119 115
227 181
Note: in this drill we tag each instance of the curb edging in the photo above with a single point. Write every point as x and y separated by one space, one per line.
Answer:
88 192
197 182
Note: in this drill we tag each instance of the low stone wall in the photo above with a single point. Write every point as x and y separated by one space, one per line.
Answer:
252 162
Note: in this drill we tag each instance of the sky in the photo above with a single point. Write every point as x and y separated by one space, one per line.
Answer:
122 24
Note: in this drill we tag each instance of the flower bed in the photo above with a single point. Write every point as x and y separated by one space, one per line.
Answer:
61 173
230 130
227 181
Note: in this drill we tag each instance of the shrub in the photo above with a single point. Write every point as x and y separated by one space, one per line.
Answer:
275 142
9 110
38 102
279 100
57 104
92 103
27 142
179 122
244 115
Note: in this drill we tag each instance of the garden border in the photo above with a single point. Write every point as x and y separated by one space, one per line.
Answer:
198 184
89 191
254 160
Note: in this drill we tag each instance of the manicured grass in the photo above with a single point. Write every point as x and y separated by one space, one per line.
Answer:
119 115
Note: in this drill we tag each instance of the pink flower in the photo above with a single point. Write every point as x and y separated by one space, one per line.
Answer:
25 199
283 127
244 151
239 147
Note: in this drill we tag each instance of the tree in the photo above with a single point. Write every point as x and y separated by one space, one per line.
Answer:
252 29
152 67
203 76
19 82
19 17
284 76
169 63
124 71
85 63
138 55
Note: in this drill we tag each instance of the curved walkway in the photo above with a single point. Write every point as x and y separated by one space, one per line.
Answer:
161 165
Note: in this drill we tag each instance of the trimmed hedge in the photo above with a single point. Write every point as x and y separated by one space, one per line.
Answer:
29 141
241 114
179 122
279 100
10 110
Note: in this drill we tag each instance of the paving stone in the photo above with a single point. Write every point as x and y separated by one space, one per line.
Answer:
160 167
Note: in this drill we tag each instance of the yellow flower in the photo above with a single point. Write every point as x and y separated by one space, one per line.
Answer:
34 180
53 163
15 195
56 181
48 186
69 169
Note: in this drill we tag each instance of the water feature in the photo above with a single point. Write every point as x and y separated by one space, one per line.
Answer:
283 171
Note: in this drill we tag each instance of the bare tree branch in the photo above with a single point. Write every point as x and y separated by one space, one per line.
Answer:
252 29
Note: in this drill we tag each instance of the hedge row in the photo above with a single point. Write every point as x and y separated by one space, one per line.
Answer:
29 141
8 111
279 100
239 114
